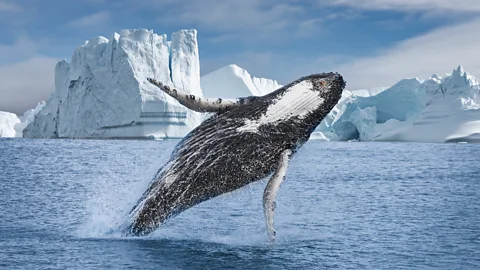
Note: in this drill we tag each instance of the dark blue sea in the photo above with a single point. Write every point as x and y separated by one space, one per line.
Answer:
342 206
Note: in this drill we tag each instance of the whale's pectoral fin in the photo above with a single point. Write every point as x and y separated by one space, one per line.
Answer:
271 190
200 104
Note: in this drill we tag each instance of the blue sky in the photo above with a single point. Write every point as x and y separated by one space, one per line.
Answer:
372 42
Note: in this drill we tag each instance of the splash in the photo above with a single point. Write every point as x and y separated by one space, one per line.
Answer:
110 200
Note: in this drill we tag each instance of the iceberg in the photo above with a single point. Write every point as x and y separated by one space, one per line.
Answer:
7 124
103 91
233 81
434 110
368 92
27 118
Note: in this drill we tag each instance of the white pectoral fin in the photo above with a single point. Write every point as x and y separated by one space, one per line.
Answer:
271 190
199 104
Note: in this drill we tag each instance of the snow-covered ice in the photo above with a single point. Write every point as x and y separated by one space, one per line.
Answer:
233 81
27 118
7 124
103 91
435 110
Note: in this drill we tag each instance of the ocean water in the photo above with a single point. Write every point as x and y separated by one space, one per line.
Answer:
342 206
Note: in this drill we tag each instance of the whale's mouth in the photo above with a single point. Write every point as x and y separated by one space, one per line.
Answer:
330 87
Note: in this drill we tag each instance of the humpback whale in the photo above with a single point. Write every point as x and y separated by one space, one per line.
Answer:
245 140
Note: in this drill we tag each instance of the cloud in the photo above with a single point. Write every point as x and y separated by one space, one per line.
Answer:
26 83
9 7
438 51
232 14
23 47
245 20
26 76
307 27
408 5
92 20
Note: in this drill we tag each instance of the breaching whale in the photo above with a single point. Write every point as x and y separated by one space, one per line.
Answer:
245 140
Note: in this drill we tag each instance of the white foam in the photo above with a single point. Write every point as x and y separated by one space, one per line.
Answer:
110 201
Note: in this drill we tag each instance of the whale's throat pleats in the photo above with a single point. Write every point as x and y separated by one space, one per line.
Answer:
297 101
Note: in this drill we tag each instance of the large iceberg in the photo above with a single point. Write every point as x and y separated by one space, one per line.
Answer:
435 110
103 91
233 81
7 124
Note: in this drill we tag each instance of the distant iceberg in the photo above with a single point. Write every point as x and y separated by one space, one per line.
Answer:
233 81
435 110
27 118
103 92
7 124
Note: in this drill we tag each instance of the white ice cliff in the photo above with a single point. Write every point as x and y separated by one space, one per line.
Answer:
103 91
233 81
7 124
27 118
435 110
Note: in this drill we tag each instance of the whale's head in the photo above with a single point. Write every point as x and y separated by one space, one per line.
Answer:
302 103
328 85
311 93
